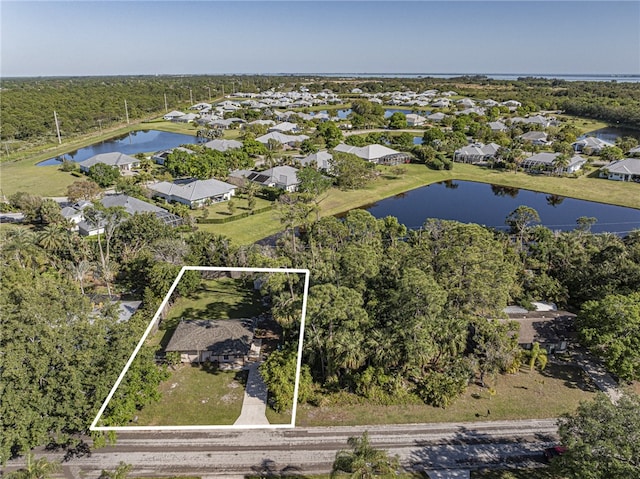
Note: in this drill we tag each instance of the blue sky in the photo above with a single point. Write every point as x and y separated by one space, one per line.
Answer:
54 38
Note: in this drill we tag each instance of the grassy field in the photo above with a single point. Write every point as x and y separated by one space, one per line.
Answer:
526 395
194 395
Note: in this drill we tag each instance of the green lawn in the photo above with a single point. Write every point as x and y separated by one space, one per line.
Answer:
526 395
221 210
223 298
194 395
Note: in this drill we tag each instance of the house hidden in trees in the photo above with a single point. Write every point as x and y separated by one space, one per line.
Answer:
283 177
223 145
375 153
622 170
229 342
193 192
131 205
320 160
123 162
161 156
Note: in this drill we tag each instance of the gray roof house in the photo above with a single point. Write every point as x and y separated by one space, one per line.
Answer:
229 342
122 161
590 143
320 160
476 153
283 177
436 116
535 137
290 140
223 145
172 115
131 206
375 154
544 161
193 192
497 126
284 127
622 170
415 120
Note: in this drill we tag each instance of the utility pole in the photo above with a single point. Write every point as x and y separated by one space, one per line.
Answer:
190 96
55 118
166 108
222 91
100 123
209 88
126 111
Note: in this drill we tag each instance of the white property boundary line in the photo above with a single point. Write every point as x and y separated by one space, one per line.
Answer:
95 427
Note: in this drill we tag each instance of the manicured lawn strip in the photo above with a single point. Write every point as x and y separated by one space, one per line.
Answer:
195 396
278 417
246 230
527 395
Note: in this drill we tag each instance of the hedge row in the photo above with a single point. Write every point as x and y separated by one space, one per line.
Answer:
244 214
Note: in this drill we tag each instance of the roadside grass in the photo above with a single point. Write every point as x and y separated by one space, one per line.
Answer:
277 417
194 395
526 395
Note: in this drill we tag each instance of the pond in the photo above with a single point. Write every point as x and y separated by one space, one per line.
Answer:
142 141
610 133
489 205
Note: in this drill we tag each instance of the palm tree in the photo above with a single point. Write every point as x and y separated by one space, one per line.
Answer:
79 270
40 469
364 461
560 162
52 237
537 356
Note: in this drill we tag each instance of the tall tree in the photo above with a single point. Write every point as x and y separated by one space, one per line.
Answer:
601 439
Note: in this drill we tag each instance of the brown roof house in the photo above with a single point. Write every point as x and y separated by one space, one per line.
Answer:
229 342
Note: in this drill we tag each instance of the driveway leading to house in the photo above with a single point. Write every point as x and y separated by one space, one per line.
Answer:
254 404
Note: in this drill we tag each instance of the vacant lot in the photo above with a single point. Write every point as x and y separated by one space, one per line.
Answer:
195 395
526 395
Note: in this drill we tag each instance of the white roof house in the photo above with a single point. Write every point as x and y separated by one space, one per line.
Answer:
622 170
415 120
194 193
122 161
173 114
285 127
375 153
223 145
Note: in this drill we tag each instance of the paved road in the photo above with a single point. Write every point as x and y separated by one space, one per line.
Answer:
232 453
254 403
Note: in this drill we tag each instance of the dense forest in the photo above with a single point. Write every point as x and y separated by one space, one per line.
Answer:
392 315
88 104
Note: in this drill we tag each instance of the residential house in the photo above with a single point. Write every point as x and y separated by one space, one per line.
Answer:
622 170
634 151
188 118
173 115
131 207
194 193
74 213
497 126
436 117
552 330
284 127
320 160
592 144
228 342
283 177
289 140
375 153
161 156
123 162
546 162
415 120
535 138
223 145
476 153
441 103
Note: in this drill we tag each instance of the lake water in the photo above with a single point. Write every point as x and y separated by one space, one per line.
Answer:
489 205
610 133
143 141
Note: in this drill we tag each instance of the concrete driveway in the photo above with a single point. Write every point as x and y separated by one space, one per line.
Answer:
254 404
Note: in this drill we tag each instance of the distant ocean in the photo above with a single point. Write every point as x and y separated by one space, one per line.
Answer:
632 78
